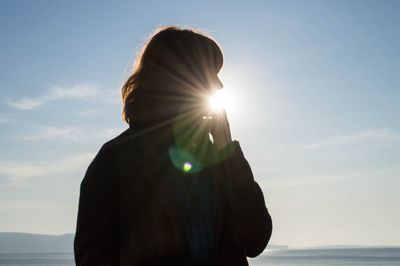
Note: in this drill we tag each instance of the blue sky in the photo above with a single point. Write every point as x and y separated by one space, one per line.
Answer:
316 91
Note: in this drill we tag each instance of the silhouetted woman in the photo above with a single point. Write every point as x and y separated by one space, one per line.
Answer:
173 189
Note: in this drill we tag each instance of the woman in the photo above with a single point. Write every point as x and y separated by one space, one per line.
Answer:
165 192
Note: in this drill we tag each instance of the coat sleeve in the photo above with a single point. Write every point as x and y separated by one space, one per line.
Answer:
96 239
244 199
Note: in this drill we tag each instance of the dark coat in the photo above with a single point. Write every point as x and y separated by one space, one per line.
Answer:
128 214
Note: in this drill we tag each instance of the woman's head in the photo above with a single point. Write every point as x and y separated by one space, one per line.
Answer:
175 67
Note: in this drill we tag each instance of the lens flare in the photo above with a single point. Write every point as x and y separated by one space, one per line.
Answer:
187 166
218 101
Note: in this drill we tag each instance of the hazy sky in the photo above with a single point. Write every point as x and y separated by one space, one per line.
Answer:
316 87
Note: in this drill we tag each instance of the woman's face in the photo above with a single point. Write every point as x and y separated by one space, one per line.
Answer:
218 84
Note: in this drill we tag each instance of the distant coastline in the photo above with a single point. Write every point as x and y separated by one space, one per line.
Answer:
15 242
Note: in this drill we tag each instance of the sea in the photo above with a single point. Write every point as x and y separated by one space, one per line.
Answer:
272 257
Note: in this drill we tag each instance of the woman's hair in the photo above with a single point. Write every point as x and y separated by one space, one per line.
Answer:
174 66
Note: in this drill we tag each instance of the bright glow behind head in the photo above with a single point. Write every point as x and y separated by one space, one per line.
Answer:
219 100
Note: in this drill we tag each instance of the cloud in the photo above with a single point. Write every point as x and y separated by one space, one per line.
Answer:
74 134
3 120
60 93
22 171
366 136
87 112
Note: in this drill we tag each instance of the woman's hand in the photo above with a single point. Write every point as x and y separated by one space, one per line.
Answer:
220 130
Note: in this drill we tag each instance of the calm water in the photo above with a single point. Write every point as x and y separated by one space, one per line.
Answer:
290 257
331 257
38 259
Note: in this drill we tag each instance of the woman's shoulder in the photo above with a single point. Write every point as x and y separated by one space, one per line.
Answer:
127 145
125 140
118 139
113 153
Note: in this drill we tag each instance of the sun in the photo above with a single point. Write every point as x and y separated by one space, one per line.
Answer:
219 100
